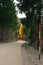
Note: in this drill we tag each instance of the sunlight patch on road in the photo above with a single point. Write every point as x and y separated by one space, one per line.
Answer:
21 41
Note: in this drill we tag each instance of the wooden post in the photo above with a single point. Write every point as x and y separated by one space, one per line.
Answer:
39 28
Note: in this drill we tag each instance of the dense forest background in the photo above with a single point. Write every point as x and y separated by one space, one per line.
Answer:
34 15
8 20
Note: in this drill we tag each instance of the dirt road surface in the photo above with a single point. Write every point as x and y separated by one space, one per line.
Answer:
13 54
10 54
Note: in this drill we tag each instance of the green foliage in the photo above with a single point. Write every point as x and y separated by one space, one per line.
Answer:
32 8
25 5
8 13
8 20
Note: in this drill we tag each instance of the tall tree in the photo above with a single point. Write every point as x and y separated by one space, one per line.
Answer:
8 18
